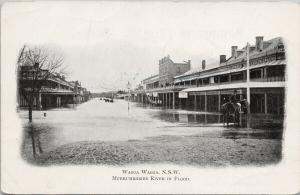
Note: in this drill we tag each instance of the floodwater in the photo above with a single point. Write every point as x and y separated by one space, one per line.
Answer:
97 120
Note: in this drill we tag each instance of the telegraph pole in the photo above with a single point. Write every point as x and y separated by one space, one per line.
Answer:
248 78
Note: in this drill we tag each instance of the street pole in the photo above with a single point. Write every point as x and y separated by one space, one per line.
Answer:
128 87
248 78
128 101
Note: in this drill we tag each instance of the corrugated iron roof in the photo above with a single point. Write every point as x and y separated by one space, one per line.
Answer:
268 46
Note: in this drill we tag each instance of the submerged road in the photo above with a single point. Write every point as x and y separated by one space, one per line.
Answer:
99 132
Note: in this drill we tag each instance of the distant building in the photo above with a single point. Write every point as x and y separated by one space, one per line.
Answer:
168 69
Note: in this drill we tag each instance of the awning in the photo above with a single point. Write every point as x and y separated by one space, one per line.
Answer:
237 86
221 92
56 91
216 87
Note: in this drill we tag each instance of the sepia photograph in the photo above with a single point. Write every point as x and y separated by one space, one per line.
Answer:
133 85
229 112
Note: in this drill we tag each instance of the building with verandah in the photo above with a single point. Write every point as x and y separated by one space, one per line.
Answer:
55 90
267 79
207 89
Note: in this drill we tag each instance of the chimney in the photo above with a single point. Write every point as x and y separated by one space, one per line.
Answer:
222 59
189 64
233 51
259 43
203 64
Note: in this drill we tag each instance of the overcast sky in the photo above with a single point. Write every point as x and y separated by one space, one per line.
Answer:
107 44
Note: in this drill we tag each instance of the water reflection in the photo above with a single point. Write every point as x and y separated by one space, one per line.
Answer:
181 117
35 140
38 138
32 143
250 126
252 121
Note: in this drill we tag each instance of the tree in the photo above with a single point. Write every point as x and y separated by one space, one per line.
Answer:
35 66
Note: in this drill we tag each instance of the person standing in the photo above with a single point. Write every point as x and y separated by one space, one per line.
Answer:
233 98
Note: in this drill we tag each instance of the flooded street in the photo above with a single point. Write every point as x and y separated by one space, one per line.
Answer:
121 132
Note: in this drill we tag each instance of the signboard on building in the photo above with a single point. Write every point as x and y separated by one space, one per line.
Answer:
183 94
155 94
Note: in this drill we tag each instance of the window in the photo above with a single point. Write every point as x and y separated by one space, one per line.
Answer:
216 79
237 77
255 74
224 78
276 71
205 81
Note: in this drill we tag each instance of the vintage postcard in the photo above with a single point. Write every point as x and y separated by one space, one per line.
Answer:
155 97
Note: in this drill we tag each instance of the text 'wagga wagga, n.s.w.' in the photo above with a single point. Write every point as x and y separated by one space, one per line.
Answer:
151 172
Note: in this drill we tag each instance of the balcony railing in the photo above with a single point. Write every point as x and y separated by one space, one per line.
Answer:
269 79
174 87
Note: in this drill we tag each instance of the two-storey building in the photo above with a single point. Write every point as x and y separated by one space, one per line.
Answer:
47 92
207 89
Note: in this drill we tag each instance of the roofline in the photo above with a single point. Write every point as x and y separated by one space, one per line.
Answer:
228 63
